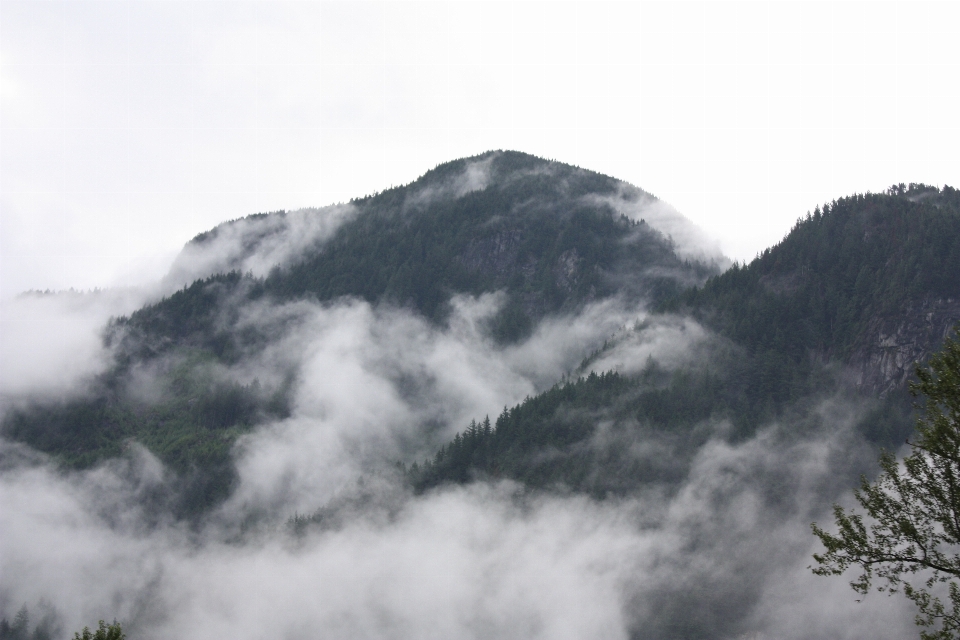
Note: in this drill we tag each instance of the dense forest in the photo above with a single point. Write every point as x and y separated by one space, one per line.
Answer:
541 232
578 435
785 327
508 374
840 269
794 317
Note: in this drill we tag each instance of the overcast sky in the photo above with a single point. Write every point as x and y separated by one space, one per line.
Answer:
128 127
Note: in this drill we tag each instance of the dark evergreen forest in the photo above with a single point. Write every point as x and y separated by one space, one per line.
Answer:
536 232
794 317
788 323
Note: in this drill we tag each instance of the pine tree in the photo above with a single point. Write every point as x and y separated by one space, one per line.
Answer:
104 632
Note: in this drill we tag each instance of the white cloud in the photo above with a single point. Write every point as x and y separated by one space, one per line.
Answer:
725 554
50 343
256 244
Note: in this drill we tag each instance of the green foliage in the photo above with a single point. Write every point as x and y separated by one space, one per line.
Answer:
539 231
191 426
104 632
579 434
542 233
198 317
556 420
532 233
794 312
839 272
910 539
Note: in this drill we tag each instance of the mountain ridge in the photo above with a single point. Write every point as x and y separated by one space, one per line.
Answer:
546 238
537 242
803 316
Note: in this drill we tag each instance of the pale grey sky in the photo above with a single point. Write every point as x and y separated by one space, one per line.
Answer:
126 127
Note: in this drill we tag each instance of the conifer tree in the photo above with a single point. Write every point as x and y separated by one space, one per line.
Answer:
104 632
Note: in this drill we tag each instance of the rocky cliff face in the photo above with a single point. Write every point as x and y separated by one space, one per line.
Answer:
885 363
495 255
500 257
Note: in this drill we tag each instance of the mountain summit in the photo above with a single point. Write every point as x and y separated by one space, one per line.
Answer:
496 250
545 239
556 339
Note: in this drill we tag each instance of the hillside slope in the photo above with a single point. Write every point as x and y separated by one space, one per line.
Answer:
870 280
854 295
547 238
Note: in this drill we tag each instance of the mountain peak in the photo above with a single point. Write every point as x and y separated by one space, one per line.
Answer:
489 189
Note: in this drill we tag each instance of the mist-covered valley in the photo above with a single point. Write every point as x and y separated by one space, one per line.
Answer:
514 398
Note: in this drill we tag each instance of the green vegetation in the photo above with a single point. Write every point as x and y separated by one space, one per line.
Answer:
104 632
200 317
795 316
911 542
533 233
579 434
538 232
840 272
552 421
544 234
191 425
530 233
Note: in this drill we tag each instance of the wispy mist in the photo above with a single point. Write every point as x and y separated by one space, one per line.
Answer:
51 342
690 242
722 556
322 535
256 244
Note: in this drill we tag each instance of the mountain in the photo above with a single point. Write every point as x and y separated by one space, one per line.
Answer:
551 236
854 295
547 238
509 391
869 280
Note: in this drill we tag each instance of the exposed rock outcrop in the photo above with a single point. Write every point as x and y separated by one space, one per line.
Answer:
896 343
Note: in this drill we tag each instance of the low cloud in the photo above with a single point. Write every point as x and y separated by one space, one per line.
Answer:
722 556
475 176
690 242
380 383
718 552
256 244
51 343
669 341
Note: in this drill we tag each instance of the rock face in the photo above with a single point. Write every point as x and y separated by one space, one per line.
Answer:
500 258
495 255
886 363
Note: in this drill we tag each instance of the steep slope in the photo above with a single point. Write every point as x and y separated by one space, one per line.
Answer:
870 280
854 295
550 235
547 238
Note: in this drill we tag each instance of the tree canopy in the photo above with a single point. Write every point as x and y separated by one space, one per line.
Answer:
910 539
104 632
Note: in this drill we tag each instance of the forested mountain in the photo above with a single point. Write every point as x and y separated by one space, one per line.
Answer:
549 235
869 280
550 238
856 293
507 366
